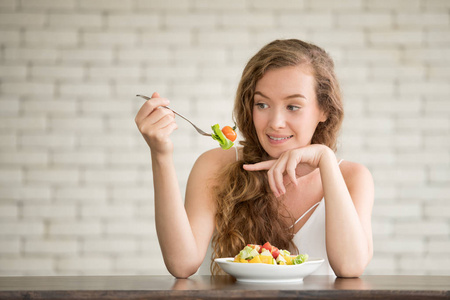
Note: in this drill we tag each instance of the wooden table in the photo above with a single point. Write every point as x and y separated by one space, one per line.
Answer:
201 287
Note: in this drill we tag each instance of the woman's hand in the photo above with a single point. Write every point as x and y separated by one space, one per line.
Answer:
291 165
156 124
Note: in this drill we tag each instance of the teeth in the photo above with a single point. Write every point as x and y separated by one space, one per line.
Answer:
279 139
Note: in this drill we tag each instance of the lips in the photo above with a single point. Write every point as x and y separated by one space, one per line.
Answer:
279 138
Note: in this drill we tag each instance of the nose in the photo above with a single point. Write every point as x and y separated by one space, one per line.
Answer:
277 119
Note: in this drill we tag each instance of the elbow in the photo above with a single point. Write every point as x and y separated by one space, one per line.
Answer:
353 268
182 271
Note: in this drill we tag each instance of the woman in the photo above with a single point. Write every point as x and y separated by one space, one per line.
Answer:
285 185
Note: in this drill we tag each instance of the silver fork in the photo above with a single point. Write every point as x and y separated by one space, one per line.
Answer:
196 128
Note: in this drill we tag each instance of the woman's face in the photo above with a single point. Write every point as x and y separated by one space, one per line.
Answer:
285 110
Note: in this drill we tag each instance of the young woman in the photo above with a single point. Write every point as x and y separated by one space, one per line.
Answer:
284 185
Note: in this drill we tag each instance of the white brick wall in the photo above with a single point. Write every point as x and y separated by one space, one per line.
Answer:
76 191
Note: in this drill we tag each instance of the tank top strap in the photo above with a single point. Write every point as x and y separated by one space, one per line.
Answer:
340 161
306 212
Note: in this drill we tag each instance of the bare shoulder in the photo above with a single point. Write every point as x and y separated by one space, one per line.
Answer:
214 160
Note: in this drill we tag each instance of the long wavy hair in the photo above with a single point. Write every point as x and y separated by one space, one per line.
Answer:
247 211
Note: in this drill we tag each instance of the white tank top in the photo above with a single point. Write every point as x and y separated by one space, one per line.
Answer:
310 239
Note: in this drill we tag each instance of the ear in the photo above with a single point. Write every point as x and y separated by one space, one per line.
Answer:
323 116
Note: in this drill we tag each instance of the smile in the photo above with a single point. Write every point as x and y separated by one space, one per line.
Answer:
279 139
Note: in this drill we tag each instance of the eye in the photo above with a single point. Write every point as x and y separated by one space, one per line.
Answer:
293 107
261 105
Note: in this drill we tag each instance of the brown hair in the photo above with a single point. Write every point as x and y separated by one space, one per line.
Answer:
247 211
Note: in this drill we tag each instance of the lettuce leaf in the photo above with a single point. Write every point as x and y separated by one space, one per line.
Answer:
220 137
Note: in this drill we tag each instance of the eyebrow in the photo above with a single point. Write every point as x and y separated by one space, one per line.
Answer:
288 97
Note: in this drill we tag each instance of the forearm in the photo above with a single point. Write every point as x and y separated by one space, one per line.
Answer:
346 241
172 224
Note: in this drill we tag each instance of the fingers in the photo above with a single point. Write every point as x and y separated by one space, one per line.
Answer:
264 165
149 106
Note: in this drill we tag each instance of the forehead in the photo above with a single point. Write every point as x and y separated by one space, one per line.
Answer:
292 79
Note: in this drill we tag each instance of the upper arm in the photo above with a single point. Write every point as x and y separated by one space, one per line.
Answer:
360 185
199 203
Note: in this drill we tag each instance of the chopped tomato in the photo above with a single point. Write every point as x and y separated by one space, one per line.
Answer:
229 133
267 246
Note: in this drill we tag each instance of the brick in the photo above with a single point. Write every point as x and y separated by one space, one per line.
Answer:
153 55
223 37
28 88
72 228
429 158
422 228
48 5
76 124
130 228
83 89
9 246
75 20
111 176
389 73
437 37
135 194
425 263
112 38
382 228
219 5
81 194
378 55
440 174
406 141
400 176
97 264
398 211
8 5
37 106
366 19
47 141
106 5
422 20
437 211
399 246
21 228
348 38
134 21
395 106
24 158
424 124
425 193
78 158
206 55
24 54
110 107
52 211
13 71
437 55
395 37
438 246
276 6
105 141
8 212
11 175
9 107
110 246
141 263
109 211
116 72
57 72
387 5
87 55
50 37
169 5
166 38
11 37
56 247
244 20
26 193
25 265
20 124
191 21
61 176
22 20
306 20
